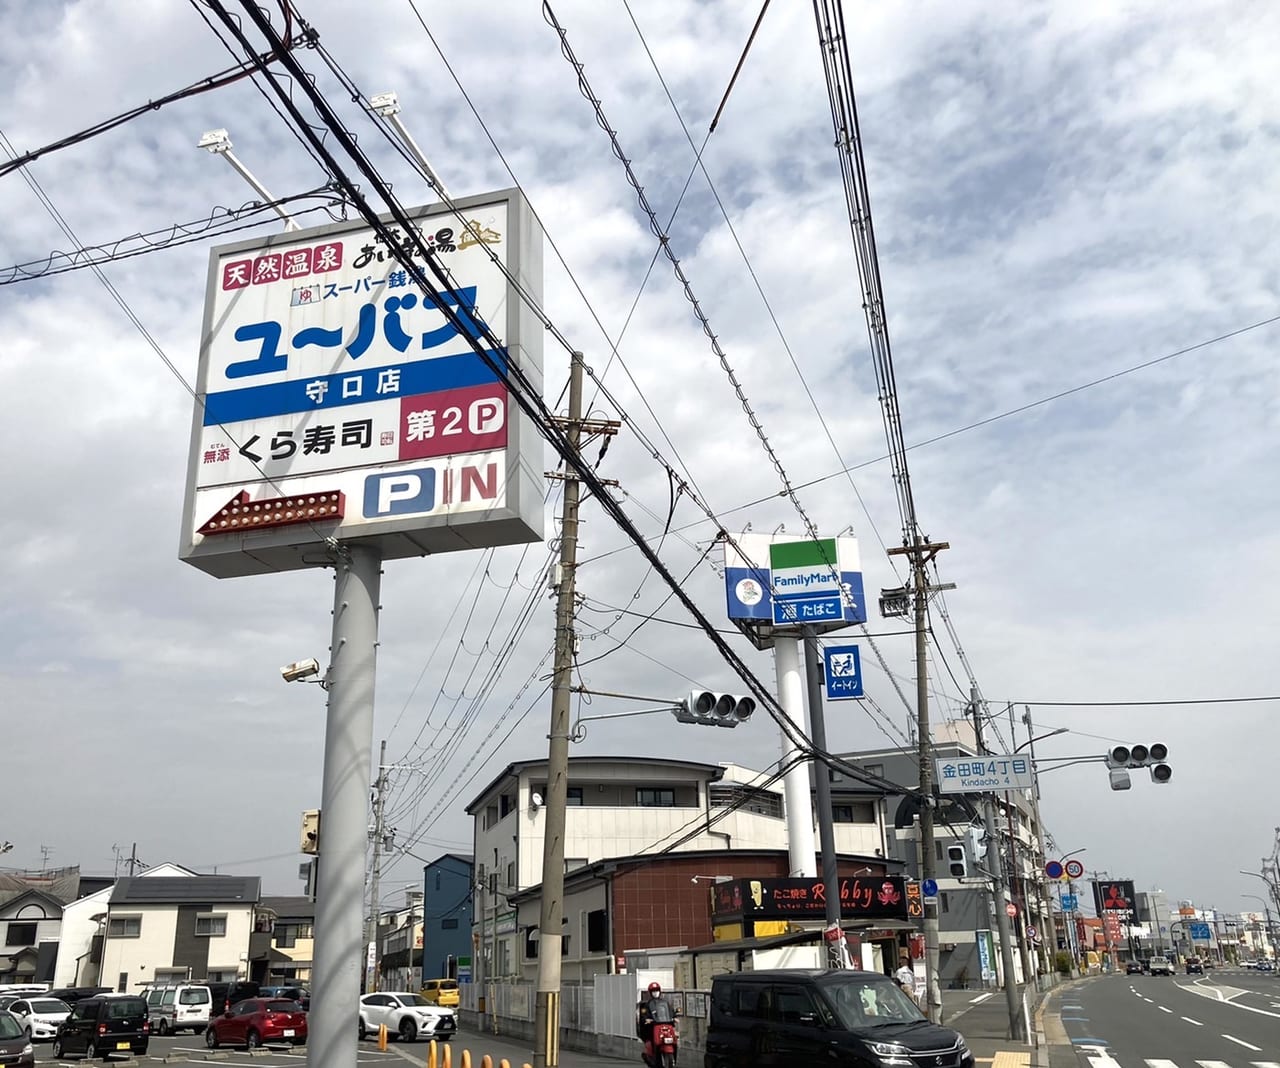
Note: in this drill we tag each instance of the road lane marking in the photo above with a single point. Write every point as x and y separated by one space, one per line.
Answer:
1163 1009
1213 1064
1242 1042
1191 1021
1148 1001
981 998
1162 1064
1103 1061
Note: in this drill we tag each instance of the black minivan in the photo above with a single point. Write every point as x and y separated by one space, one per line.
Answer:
795 1018
102 1025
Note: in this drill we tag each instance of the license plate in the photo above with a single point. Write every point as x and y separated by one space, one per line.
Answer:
288 1032
122 1045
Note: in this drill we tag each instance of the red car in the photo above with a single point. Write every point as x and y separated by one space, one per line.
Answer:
256 1021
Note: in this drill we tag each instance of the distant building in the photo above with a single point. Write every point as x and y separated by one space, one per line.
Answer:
448 885
29 928
282 945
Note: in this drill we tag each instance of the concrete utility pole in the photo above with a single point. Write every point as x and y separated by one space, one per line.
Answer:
921 552
795 782
995 865
1042 881
344 800
375 873
546 1031
832 936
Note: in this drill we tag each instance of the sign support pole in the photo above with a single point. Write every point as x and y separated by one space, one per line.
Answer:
822 789
995 865
801 850
348 751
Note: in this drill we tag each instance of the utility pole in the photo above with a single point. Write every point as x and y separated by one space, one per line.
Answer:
546 1028
1042 881
921 552
375 874
995 865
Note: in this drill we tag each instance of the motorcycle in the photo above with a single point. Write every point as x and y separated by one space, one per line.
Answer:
661 1046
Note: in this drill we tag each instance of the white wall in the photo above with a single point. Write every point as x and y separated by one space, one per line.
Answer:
139 957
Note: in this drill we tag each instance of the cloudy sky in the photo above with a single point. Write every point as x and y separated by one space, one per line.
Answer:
1061 193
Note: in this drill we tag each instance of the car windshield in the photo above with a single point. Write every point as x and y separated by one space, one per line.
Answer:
49 1005
282 1005
9 1026
195 996
448 984
412 999
863 1003
125 1007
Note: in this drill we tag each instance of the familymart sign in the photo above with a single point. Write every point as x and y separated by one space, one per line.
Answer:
809 585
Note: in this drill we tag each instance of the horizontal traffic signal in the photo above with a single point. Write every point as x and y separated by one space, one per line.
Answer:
715 709
1121 758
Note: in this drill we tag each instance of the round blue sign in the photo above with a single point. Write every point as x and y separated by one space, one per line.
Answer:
929 887
1053 869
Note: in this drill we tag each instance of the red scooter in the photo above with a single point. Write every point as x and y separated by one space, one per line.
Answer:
661 1046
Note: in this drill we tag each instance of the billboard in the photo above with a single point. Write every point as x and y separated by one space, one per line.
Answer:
872 897
1113 895
335 401
789 582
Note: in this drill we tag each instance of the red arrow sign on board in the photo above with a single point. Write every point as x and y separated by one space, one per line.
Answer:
240 514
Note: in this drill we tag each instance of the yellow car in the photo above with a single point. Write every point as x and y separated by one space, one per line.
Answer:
443 992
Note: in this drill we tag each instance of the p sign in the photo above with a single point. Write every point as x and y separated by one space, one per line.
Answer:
409 492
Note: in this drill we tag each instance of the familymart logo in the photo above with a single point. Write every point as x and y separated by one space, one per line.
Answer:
804 566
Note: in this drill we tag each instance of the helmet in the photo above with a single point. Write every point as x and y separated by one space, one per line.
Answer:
655 988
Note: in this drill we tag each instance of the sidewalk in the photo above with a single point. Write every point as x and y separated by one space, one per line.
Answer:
982 1016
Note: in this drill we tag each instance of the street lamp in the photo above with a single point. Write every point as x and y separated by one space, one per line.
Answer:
1040 737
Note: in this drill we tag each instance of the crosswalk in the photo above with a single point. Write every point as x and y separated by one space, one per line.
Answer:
1103 1060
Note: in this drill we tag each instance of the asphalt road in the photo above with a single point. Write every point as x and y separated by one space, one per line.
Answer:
397 1055
1227 1019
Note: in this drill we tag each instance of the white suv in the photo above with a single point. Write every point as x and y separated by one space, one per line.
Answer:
406 1016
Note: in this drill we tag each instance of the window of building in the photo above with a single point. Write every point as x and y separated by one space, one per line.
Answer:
875 769
853 812
223 975
437 880
449 923
287 934
574 796
490 816
745 798
493 882
511 873
124 927
597 931
505 804
20 934
211 925
944 902
937 848
531 944
655 797
170 975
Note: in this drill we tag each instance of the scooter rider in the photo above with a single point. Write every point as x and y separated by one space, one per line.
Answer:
654 1009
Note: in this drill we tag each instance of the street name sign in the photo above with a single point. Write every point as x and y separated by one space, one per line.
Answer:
958 775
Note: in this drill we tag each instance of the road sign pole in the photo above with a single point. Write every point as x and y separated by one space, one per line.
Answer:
348 752
822 790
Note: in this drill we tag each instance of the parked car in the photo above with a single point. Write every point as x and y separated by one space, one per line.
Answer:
441 992
15 1047
226 995
8 999
40 1017
102 1025
299 994
72 994
407 1016
823 1017
1133 967
178 1007
1266 966
1161 966
257 1021
1194 967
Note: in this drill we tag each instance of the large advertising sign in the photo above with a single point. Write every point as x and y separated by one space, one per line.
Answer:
876 897
335 401
791 582
1114 895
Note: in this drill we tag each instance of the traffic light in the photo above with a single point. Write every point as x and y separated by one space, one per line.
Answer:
1122 758
715 709
976 840
958 861
311 831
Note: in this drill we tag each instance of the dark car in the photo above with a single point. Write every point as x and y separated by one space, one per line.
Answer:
300 994
15 1046
72 994
1194 967
102 1025
227 994
795 1018
257 1021
1133 967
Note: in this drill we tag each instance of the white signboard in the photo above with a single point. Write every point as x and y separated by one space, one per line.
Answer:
336 401
958 775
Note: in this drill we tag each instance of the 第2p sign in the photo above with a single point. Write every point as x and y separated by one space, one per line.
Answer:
327 376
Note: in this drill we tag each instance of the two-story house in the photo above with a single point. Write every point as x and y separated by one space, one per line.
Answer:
29 929
282 945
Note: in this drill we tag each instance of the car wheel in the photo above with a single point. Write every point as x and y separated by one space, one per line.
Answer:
91 1051
57 1049
252 1040
360 1030
408 1030
211 1038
